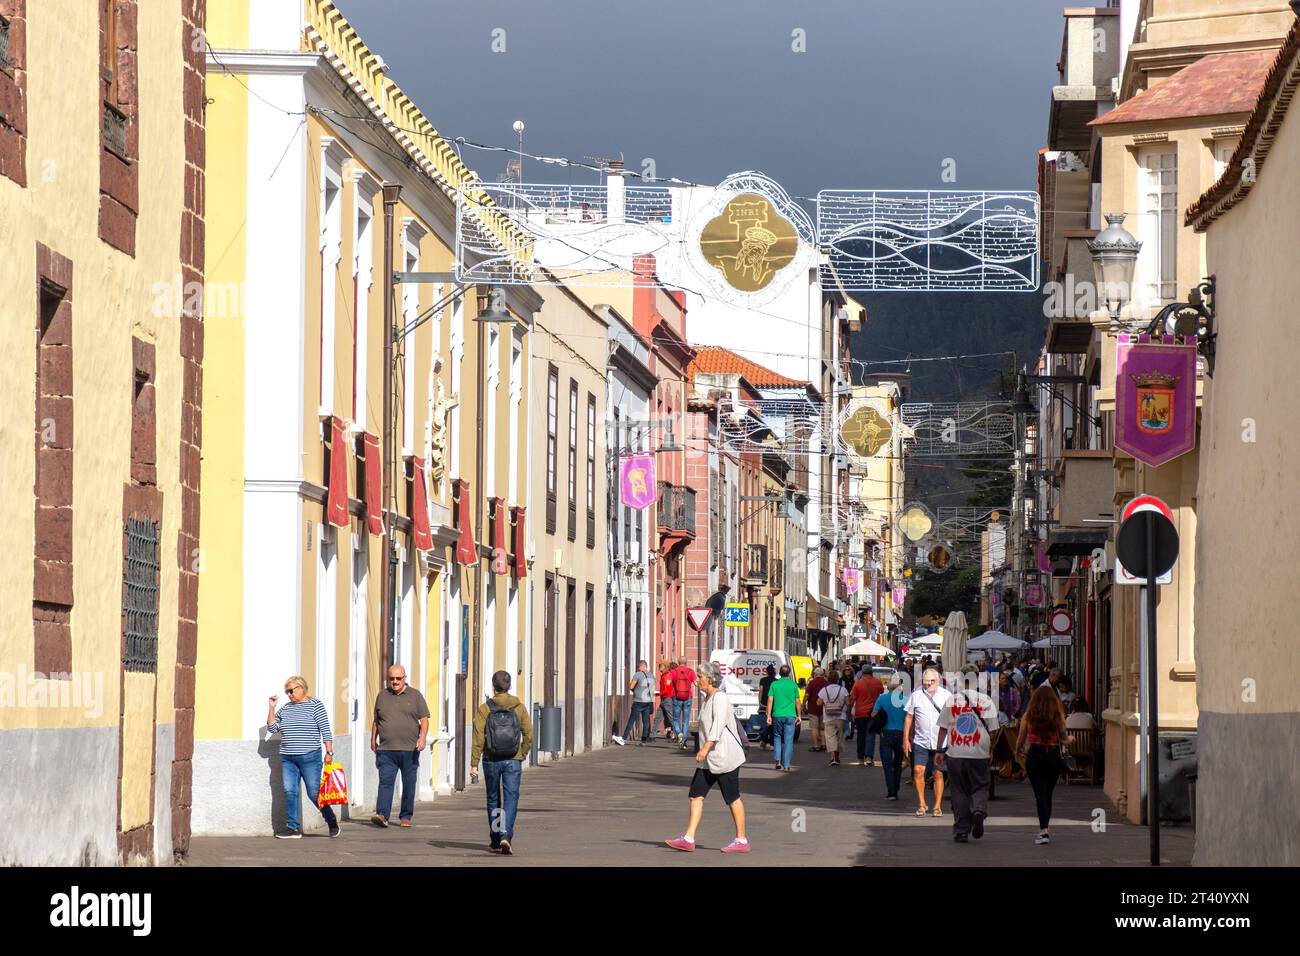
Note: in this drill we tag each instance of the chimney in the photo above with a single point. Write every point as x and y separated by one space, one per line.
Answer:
614 196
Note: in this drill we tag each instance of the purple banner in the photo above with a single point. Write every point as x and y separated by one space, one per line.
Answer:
900 595
1155 398
636 477
852 579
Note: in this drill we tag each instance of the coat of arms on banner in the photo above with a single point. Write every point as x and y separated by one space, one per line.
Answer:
1155 398
1155 401
637 480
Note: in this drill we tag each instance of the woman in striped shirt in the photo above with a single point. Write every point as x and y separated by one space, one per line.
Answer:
302 724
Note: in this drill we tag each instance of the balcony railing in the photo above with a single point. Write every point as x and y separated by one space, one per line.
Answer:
676 508
754 570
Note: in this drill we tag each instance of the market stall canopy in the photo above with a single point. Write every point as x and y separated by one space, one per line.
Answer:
867 649
995 641
1044 643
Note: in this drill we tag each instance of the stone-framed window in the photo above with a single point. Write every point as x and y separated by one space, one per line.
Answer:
52 560
119 133
13 90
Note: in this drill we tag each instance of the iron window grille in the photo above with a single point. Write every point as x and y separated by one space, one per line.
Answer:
140 600
4 43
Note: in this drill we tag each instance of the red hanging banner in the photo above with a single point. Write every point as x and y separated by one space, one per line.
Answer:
336 505
466 549
420 506
374 485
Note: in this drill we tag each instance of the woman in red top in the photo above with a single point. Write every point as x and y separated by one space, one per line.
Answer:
1039 741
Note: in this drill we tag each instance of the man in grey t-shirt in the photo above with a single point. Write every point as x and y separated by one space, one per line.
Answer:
642 686
397 736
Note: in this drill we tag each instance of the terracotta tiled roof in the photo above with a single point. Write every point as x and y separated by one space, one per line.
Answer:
1215 84
714 360
1257 140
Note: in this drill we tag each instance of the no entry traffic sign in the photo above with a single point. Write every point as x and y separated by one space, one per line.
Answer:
1147 535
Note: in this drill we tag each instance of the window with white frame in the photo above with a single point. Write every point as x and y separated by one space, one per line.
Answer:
410 310
1223 150
493 381
331 241
1158 260
362 280
516 397
457 349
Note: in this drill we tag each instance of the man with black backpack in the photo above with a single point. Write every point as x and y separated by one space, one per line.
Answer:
503 735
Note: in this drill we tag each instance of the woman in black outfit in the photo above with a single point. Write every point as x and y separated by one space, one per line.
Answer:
1039 743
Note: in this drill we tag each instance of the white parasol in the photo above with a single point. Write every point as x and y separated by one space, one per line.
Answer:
955 635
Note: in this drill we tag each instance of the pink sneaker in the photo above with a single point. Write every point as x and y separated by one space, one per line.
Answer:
681 843
736 846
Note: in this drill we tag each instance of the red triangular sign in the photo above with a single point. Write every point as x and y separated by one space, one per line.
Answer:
699 617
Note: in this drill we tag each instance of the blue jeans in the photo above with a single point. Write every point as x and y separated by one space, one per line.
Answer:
641 710
307 768
783 739
682 717
891 755
502 779
389 763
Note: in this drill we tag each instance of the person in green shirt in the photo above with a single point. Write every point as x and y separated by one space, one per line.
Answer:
783 716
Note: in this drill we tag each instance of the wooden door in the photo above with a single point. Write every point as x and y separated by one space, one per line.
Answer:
548 644
588 668
570 665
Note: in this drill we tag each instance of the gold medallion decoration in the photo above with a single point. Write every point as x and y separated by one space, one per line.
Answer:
749 242
915 523
866 431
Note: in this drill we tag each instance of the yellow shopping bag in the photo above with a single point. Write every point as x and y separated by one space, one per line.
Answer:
333 786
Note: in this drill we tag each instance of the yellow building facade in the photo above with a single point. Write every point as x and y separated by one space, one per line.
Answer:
307 131
101 178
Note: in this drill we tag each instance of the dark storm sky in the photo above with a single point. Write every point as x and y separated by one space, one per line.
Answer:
887 90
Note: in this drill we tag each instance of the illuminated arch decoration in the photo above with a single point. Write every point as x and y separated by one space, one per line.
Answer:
878 240
745 240
960 428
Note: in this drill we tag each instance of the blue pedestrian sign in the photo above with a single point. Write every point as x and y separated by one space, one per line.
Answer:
736 615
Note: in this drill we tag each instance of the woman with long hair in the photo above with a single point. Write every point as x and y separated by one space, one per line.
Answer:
1039 743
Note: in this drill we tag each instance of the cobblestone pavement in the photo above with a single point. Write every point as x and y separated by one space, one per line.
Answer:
615 807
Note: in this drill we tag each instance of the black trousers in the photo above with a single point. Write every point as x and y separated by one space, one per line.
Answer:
1043 766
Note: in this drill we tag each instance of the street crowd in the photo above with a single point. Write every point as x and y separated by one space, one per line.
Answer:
943 731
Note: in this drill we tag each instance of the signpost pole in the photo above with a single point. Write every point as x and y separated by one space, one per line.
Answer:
1153 695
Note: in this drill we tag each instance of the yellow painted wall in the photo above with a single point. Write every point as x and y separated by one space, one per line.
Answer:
219 670
113 297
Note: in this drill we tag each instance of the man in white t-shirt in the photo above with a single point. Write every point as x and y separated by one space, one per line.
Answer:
966 727
921 736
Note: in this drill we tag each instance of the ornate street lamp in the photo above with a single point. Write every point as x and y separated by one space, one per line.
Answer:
1114 257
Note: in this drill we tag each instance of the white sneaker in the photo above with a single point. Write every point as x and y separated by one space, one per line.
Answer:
618 740
1041 839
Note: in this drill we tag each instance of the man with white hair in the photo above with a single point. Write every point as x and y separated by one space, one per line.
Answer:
921 737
